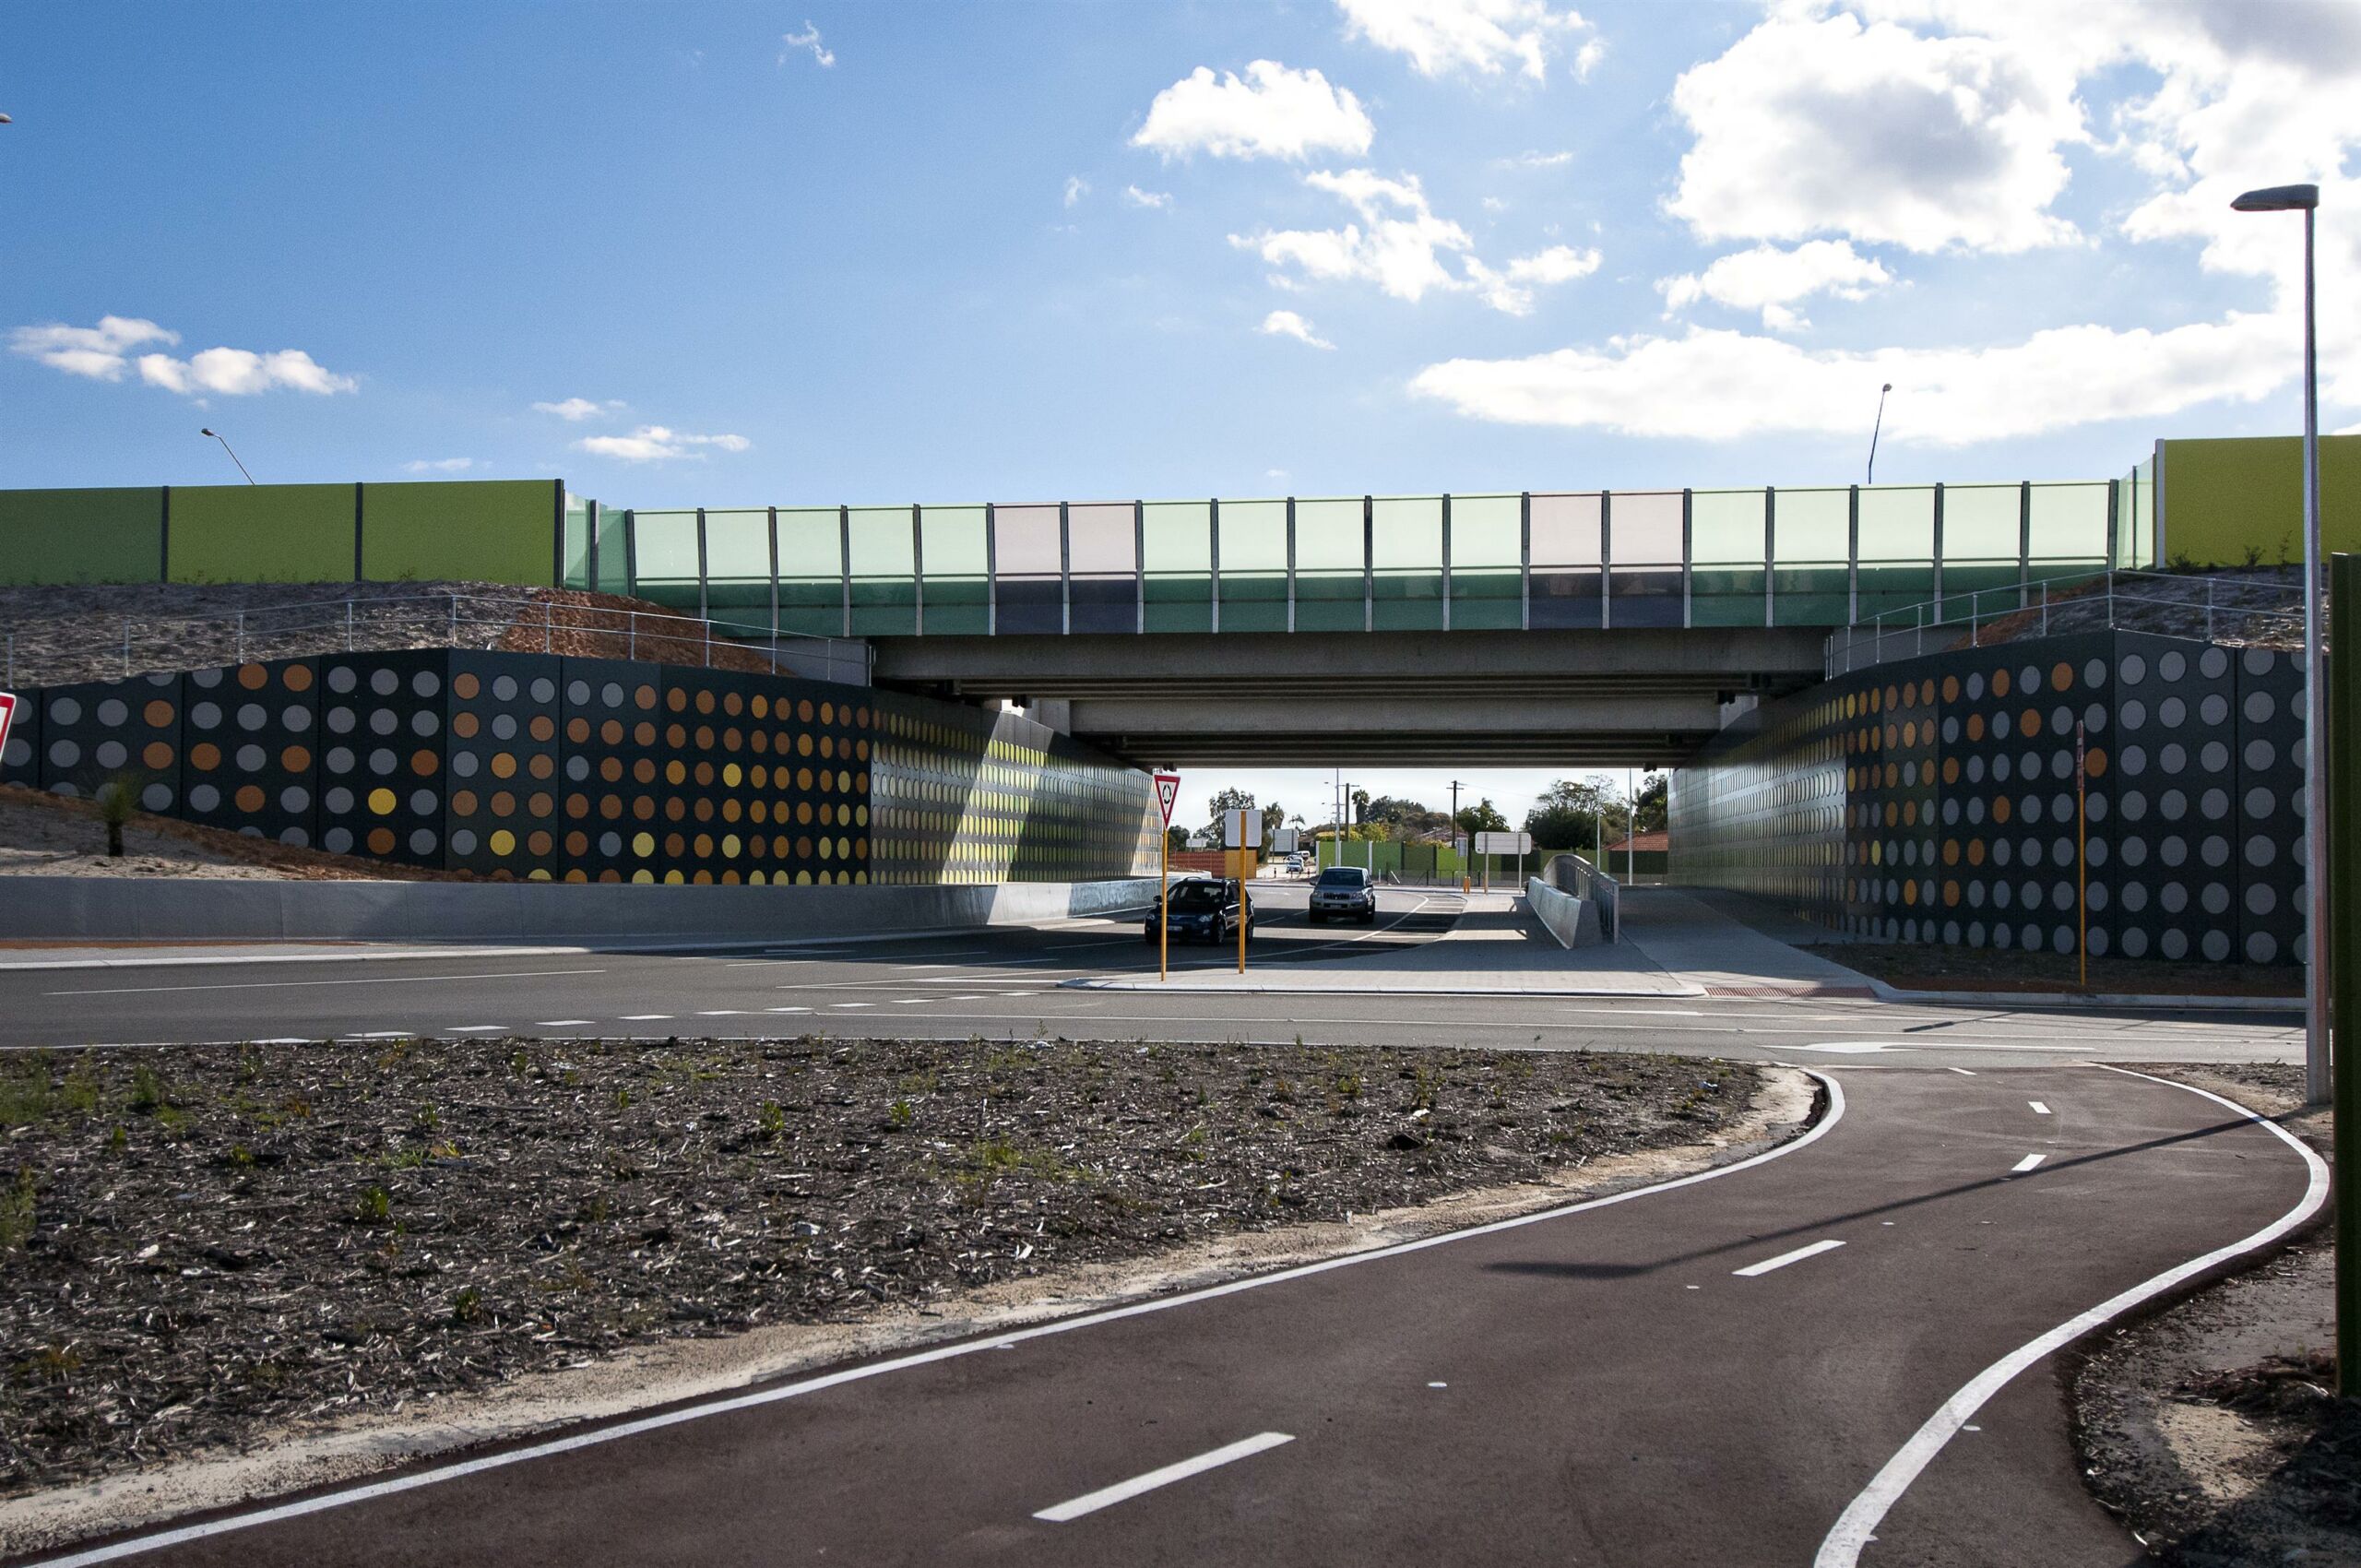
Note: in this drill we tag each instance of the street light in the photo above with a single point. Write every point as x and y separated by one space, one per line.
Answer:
2306 199
226 448
1874 429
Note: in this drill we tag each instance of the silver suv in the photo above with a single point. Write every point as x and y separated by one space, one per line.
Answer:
1344 893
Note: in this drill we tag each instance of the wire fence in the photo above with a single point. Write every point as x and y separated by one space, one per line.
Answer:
2263 608
66 652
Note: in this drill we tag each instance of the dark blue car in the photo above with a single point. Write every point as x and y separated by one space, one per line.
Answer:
1204 908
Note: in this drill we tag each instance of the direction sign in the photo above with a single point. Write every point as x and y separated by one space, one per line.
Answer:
1241 829
1167 790
8 711
1504 843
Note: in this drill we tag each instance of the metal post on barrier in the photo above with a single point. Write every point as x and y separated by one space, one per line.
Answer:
126 647
348 626
242 636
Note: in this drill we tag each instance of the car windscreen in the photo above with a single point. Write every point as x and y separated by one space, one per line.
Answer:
1335 878
1196 895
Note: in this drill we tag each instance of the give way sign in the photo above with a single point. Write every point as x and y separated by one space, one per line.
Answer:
1168 785
8 711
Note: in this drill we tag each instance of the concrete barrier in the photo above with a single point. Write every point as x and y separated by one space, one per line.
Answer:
1573 921
184 908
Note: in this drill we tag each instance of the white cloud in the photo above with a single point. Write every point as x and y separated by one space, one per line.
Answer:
576 409
1818 123
1076 188
238 372
1287 324
1139 197
1768 279
1727 386
1273 112
654 442
1484 36
438 465
1402 246
2348 430
1536 159
809 39
98 352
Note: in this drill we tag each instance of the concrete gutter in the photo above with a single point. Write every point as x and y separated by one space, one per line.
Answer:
435 918
2042 1001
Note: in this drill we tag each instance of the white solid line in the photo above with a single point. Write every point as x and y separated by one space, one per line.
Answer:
565 1023
474 1028
645 1018
1783 1259
1091 1503
2027 1163
429 1477
289 985
1858 1523
285 1039
2039 1108
383 1034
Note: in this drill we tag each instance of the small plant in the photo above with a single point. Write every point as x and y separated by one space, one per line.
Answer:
623 1099
118 800
899 1116
771 1119
467 1305
1348 1085
148 1093
17 1211
374 1206
425 1119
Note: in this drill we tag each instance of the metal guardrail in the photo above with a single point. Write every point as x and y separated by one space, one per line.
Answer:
440 620
1571 873
2220 608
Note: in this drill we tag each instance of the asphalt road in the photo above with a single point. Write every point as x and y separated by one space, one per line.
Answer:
1723 1372
1006 982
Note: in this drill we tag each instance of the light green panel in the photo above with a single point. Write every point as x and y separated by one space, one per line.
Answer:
488 530
80 536
2226 500
279 533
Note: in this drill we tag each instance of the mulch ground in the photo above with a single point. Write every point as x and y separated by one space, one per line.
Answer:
205 1247
159 837
1929 966
2212 1428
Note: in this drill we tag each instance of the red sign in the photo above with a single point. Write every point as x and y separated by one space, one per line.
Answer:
8 711
1167 788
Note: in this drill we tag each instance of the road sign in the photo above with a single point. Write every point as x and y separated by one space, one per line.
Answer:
8 711
1504 843
1241 829
1167 790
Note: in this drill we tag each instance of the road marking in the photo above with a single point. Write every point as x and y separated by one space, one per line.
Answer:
1858 1525
285 1039
1783 1259
1961 1071
853 1004
474 1028
383 1034
287 985
913 1001
1438 1386
1107 1497
2039 1108
787 1009
645 1018
1850 1046
415 1479
564 1024
723 1012
2027 1163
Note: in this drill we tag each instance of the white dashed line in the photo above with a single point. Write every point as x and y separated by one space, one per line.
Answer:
723 1012
646 1017
854 1003
1961 1071
475 1028
2039 1108
2027 1163
564 1024
1783 1259
1105 1497
787 1009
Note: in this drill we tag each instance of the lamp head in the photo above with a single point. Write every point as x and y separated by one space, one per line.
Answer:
2279 198
1887 388
207 433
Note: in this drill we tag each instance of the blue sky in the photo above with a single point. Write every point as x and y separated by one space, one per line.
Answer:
1023 251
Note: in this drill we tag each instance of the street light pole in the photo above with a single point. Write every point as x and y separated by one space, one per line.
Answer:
1874 429
232 451
2306 200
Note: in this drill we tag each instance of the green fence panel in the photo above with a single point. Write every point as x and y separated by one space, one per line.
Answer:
274 534
496 530
81 536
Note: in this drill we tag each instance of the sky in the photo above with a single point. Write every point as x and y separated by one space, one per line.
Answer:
687 254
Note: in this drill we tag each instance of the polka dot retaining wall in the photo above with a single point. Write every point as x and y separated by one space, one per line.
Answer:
512 766
1933 800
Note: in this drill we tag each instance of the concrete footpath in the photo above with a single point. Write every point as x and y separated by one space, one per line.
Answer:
1673 946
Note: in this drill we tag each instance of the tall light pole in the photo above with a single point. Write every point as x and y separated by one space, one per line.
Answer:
2306 199
232 451
1874 429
